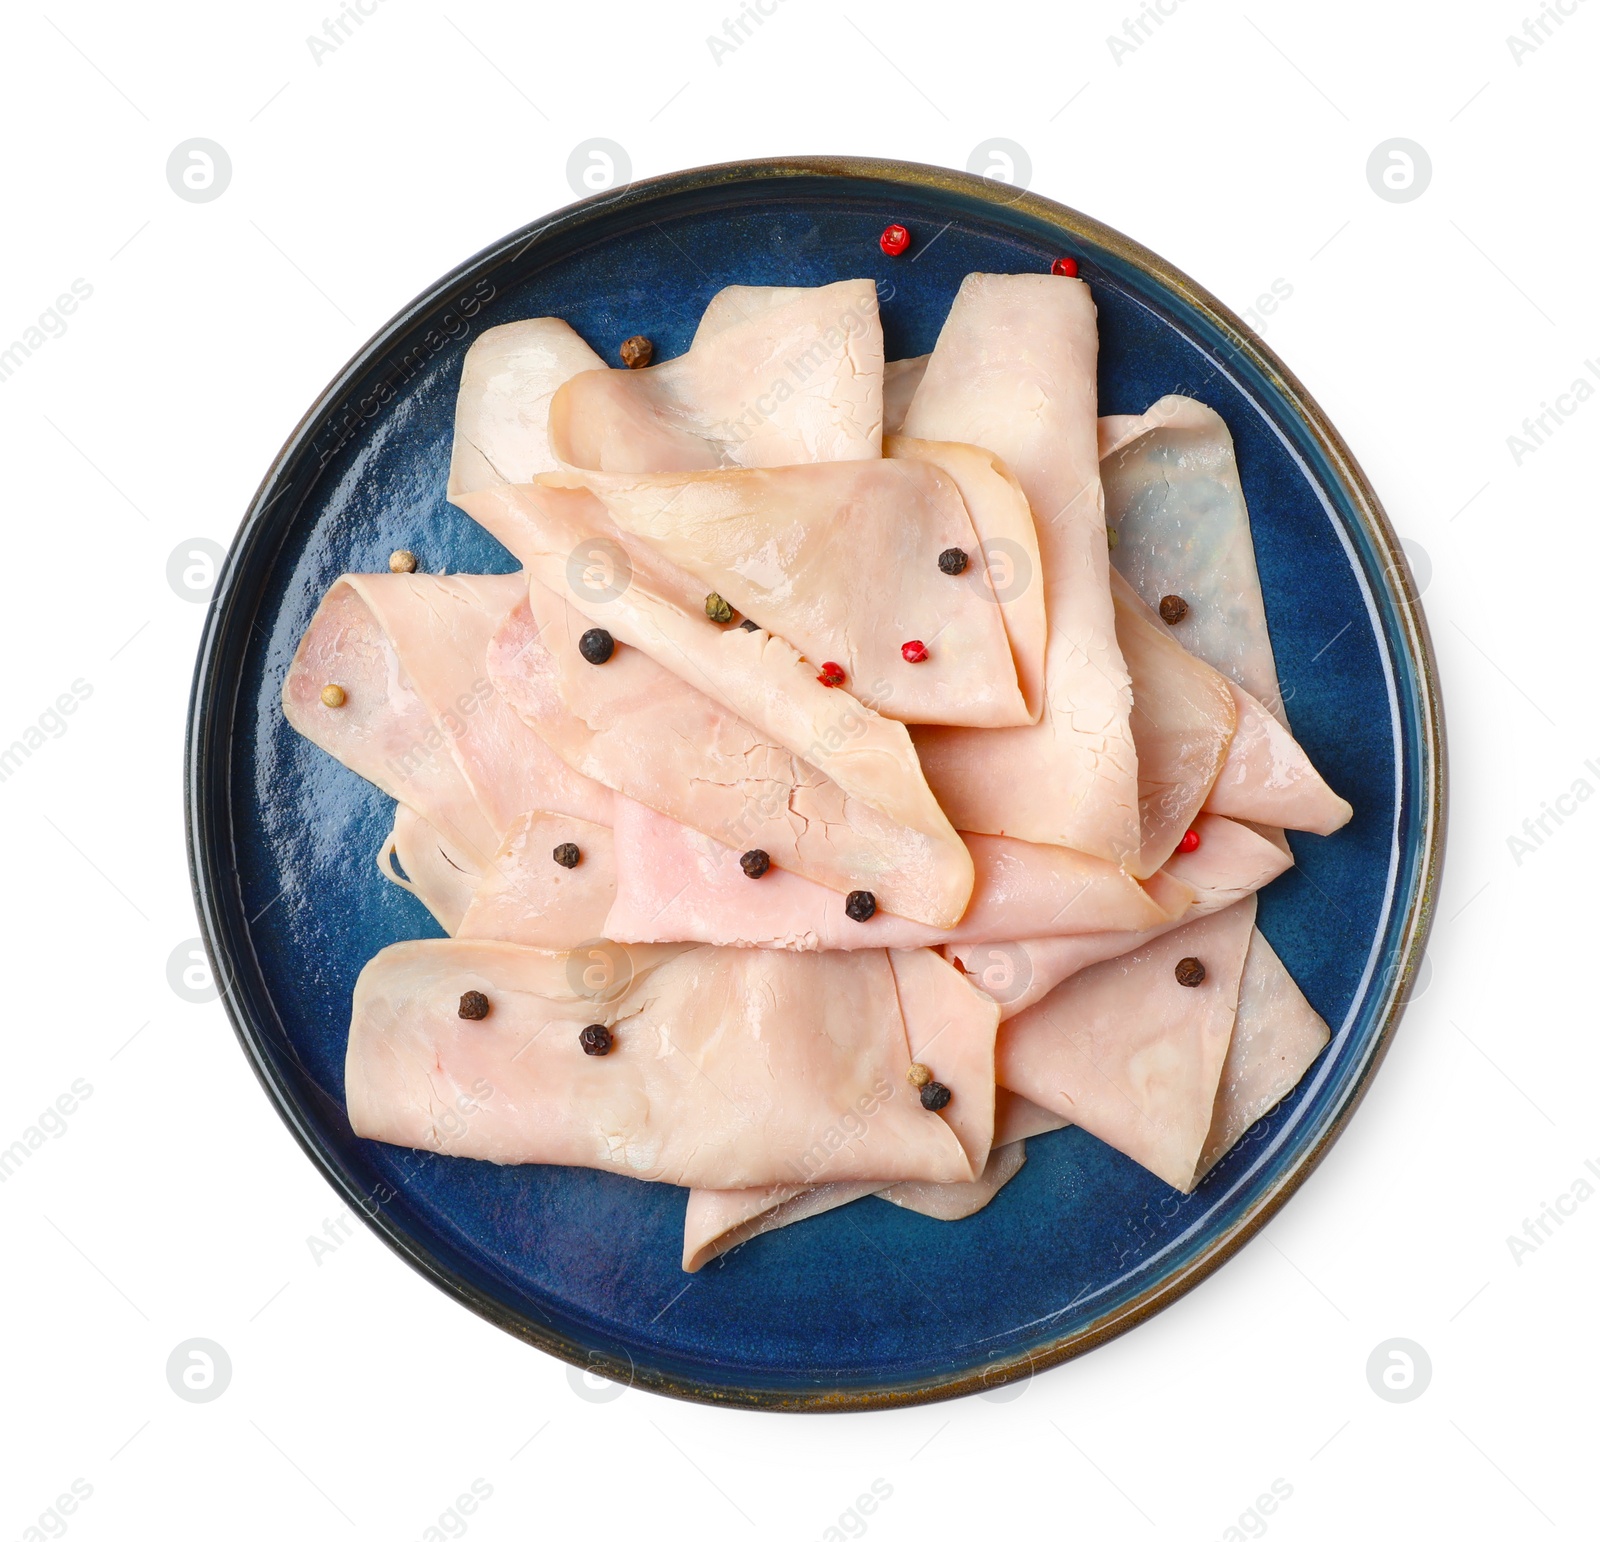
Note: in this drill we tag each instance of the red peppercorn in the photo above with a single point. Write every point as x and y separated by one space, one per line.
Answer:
1190 842
913 652
1065 267
831 675
895 241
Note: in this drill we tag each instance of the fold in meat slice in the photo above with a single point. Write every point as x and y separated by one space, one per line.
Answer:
841 560
526 896
727 1068
1006 563
1231 862
901 377
1276 1036
950 1028
1174 498
419 717
508 377
1183 723
443 879
676 884
753 677
1014 372
773 378
1130 1054
641 730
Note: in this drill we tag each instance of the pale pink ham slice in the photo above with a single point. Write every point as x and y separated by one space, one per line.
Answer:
420 718
1276 1036
772 379
508 377
1231 862
728 1068
1268 779
443 879
755 677
1126 1052
841 560
676 884
901 377
526 896
1014 372
635 727
1183 723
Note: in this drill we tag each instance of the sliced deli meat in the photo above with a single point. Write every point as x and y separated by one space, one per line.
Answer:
419 860
726 1068
1014 372
642 730
550 884
772 378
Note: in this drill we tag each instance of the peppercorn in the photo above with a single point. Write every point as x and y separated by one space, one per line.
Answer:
1173 608
402 562
953 560
566 855
895 241
597 645
1190 971
748 626
918 1075
935 1096
914 652
1065 267
474 1006
1190 842
718 609
596 1039
831 675
1112 539
755 864
860 904
333 696
637 352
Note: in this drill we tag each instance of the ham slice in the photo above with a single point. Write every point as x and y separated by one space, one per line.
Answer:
675 884
443 879
1125 1051
901 377
1014 372
526 896
728 1068
1174 498
635 727
420 718
772 378
840 559
508 377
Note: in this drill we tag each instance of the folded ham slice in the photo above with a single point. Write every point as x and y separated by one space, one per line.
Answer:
1014 372
635 727
419 860
901 377
1268 779
728 1068
508 377
526 896
841 559
419 717
675 884
769 370
1130 1054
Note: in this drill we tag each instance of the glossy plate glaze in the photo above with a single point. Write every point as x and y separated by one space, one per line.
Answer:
871 1305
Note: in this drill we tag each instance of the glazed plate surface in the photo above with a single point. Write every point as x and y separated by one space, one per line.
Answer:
869 1305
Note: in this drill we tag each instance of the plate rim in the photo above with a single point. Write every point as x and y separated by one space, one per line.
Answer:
208 784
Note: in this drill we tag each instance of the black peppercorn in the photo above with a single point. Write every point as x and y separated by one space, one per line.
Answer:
1173 608
935 1096
596 1039
1190 971
474 1006
755 864
860 905
953 561
597 645
566 855
748 626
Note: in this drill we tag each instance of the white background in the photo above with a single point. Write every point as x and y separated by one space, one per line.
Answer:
174 1204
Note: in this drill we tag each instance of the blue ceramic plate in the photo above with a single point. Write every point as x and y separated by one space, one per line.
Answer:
870 1305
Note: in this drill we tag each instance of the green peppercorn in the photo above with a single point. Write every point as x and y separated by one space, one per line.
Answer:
718 609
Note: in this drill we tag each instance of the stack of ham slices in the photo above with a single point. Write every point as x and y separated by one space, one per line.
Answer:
1061 797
